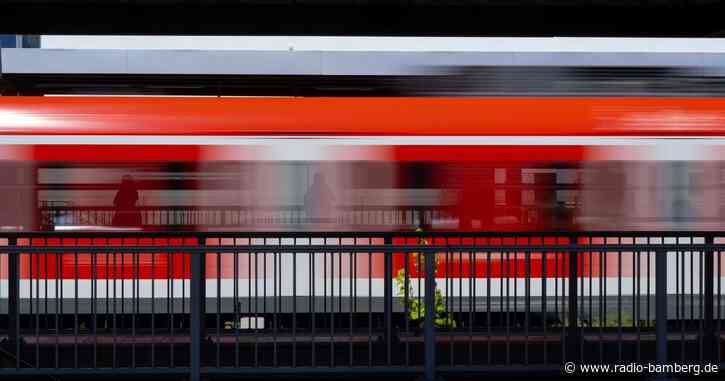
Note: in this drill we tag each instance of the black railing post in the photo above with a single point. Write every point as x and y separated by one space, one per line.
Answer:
202 293
14 298
196 303
709 324
429 326
661 306
388 300
572 336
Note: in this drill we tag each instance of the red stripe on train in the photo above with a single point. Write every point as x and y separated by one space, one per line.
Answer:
503 116
176 265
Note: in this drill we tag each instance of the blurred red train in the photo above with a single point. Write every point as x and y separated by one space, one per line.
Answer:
352 164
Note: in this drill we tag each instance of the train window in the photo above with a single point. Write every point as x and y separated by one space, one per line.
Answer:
500 175
358 195
16 196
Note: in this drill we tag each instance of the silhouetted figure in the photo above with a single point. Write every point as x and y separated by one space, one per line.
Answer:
319 199
562 217
127 213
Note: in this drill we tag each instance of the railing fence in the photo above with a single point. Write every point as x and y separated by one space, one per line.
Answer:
351 303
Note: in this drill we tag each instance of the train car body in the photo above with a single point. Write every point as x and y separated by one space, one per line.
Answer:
361 165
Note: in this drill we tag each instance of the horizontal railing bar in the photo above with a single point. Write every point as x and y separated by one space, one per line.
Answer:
359 234
303 249
93 371
281 208
502 370
377 370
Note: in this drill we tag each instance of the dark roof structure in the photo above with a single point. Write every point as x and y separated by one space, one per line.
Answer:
653 18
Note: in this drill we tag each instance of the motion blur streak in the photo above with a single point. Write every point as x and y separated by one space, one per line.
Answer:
554 116
362 163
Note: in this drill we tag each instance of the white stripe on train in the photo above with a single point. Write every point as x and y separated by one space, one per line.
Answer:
357 140
455 287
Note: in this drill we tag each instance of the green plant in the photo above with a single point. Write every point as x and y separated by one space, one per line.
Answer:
415 305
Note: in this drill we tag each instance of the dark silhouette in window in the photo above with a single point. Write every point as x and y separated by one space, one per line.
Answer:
127 214
319 199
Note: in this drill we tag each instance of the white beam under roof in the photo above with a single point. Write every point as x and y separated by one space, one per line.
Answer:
390 44
356 63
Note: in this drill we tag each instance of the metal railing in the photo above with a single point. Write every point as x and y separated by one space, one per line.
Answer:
226 216
290 303
381 216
